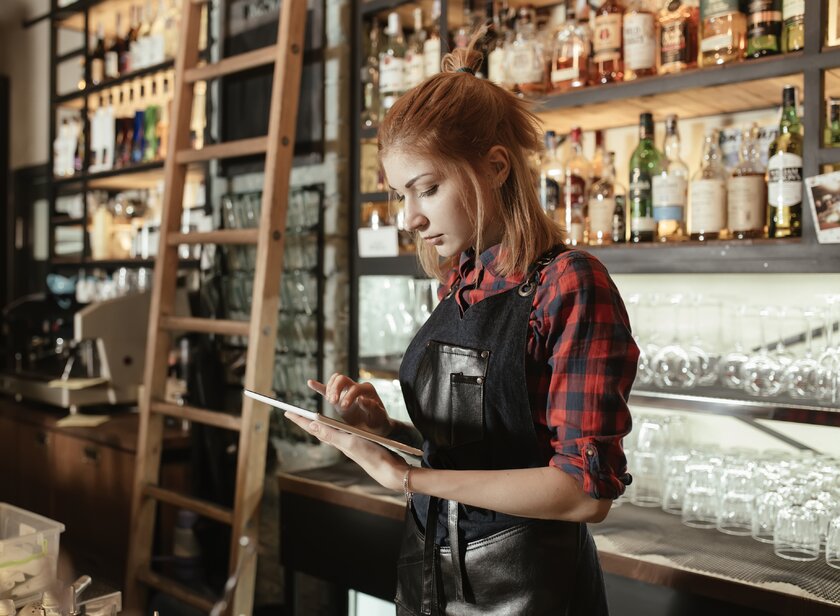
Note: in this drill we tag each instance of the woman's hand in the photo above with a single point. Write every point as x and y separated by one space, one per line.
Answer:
384 467
358 403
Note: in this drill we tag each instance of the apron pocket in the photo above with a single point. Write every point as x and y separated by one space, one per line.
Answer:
466 399
410 569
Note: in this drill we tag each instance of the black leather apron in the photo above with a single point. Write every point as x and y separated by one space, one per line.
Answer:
463 379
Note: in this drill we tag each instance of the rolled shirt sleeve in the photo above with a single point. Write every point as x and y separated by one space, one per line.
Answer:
585 363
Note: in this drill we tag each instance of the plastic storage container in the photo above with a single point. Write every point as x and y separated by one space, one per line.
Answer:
28 552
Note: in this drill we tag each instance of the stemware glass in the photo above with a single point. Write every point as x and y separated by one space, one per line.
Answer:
732 364
762 371
644 372
801 377
672 367
829 360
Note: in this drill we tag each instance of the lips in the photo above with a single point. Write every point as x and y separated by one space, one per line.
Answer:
434 239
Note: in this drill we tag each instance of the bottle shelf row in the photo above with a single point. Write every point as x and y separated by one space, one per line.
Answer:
77 96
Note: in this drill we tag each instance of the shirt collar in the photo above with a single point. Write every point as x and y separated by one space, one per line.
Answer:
486 260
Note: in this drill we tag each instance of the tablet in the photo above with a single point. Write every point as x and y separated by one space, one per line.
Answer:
335 423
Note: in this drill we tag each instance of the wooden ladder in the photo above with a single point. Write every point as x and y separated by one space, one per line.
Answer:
269 239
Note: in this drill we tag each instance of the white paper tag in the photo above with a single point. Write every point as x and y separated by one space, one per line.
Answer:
379 242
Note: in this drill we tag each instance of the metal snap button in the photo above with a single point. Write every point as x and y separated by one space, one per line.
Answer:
590 452
485 354
479 380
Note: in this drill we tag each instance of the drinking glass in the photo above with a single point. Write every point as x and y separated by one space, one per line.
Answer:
801 377
736 501
704 347
675 481
797 534
732 364
762 371
780 352
765 510
644 372
829 360
671 364
647 458
701 495
832 544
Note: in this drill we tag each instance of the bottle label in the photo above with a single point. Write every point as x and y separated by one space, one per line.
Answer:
792 9
431 56
495 66
745 203
157 51
672 43
639 41
112 64
784 179
601 212
391 73
414 69
606 44
641 203
716 8
708 206
669 196
565 74
715 43
526 63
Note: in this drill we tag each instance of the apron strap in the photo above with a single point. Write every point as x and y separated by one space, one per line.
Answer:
455 551
429 595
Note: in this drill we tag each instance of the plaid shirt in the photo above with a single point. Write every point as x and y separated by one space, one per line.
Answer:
580 364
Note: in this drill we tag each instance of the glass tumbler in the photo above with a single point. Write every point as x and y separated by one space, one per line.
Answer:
700 503
765 510
736 501
797 533
832 544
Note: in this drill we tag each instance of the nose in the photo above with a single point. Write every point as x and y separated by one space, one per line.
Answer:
415 220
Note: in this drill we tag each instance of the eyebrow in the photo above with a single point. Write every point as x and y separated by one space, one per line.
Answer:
410 183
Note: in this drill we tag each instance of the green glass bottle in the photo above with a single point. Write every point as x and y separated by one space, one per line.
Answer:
834 127
645 162
764 28
784 173
793 31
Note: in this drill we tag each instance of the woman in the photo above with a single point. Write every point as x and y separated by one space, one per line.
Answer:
517 383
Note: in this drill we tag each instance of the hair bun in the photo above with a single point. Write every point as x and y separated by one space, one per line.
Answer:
466 59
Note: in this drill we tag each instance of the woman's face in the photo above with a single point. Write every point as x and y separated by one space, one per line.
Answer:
433 202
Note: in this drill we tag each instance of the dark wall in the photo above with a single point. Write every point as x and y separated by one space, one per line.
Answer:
6 240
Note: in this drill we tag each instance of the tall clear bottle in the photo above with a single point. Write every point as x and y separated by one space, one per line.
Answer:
723 32
604 197
415 63
645 163
392 65
97 57
793 25
370 78
639 33
431 44
670 188
679 25
525 55
576 174
551 179
570 55
746 190
607 43
764 28
597 165
784 173
707 195
496 69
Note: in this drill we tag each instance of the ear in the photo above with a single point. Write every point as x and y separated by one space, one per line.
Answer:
498 162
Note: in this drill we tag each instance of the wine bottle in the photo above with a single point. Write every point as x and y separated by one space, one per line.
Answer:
784 173
645 162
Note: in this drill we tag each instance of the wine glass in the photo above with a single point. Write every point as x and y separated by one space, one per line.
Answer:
801 377
644 372
828 377
762 371
732 364
672 364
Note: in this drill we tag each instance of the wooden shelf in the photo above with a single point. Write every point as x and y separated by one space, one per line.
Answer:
138 177
73 99
108 264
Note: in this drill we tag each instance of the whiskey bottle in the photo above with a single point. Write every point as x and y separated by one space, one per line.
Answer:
392 65
746 190
597 165
670 188
570 57
414 61
496 70
764 28
551 178
370 78
602 206
833 131
707 195
793 33
113 66
576 173
639 31
431 44
97 57
784 173
679 22
723 31
645 162
607 43
525 55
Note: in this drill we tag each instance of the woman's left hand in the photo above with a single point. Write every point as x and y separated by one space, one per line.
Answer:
384 467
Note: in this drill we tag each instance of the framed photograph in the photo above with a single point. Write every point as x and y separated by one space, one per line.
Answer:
832 35
824 198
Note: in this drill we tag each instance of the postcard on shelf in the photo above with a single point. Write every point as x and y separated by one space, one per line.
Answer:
824 199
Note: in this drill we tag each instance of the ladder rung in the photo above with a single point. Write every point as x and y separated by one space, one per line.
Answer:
196 505
229 149
206 326
199 415
233 64
222 236
174 589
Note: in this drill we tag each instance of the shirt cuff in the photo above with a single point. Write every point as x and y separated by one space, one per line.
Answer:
598 464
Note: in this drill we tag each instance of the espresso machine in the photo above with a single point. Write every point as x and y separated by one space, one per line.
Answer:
74 355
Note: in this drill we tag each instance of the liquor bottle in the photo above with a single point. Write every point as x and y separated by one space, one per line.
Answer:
793 32
97 57
414 61
525 54
370 78
171 29
115 52
764 28
576 174
570 54
607 44
157 36
619 226
645 162
597 165
670 188
723 32
784 173
602 206
431 45
707 195
496 55
142 52
745 190
551 178
834 124
392 65
679 24
639 30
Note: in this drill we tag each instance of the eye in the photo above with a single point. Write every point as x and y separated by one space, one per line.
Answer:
429 192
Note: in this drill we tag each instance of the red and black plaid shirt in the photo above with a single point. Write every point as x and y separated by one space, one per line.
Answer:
580 364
